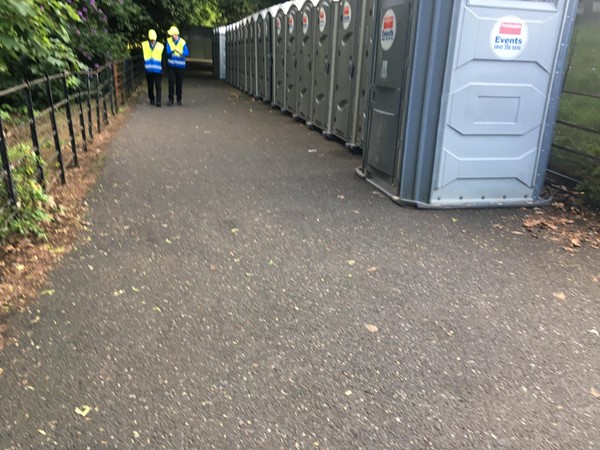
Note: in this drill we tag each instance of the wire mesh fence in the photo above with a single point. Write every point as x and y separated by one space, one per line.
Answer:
576 149
56 117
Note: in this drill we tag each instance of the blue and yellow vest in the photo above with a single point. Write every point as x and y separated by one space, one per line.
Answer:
177 60
153 57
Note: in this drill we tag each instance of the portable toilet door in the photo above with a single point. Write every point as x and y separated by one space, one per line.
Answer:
246 56
365 68
251 57
293 31
222 50
268 40
259 27
215 56
279 59
324 65
306 50
345 74
236 56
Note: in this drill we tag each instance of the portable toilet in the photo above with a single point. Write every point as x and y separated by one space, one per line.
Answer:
279 56
245 56
348 37
306 53
324 65
236 55
229 55
365 67
252 55
463 103
215 56
293 32
268 30
219 53
261 50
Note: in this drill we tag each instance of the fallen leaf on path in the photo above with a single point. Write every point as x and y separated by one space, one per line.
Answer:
371 328
575 242
36 320
595 279
168 241
454 220
594 331
134 289
83 411
49 292
157 309
235 230
42 432
1 371
532 223
560 295
348 393
595 393
20 267
372 269
341 197
351 262
213 268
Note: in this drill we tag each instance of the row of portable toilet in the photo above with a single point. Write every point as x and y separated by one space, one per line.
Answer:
309 58
453 102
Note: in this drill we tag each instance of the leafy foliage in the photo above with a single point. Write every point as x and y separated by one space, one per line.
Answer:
30 214
34 37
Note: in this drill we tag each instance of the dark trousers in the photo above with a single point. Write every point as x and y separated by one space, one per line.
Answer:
154 81
175 83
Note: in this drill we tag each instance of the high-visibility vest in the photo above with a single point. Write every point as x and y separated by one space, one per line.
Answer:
176 60
153 57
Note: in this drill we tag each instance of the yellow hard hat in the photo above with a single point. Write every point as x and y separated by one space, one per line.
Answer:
173 30
152 35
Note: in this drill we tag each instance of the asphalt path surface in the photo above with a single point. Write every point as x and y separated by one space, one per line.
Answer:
241 288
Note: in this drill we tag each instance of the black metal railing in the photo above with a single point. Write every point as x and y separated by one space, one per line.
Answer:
576 149
56 117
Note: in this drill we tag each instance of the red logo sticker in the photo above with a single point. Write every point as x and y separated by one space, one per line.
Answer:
388 23
511 28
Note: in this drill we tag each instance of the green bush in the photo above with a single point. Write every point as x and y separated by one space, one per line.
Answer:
30 213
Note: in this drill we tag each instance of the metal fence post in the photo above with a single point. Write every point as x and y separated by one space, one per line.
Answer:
104 106
34 135
98 103
89 105
10 189
59 158
81 116
70 121
109 81
115 85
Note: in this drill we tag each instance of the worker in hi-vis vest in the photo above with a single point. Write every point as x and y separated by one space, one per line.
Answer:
153 52
177 51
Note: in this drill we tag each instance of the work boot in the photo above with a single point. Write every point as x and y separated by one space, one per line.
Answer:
170 103
158 104
152 102
179 103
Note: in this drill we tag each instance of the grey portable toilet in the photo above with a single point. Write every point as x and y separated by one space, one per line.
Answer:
306 52
269 14
246 56
261 50
279 56
345 74
364 72
463 103
252 55
324 65
293 31
222 50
